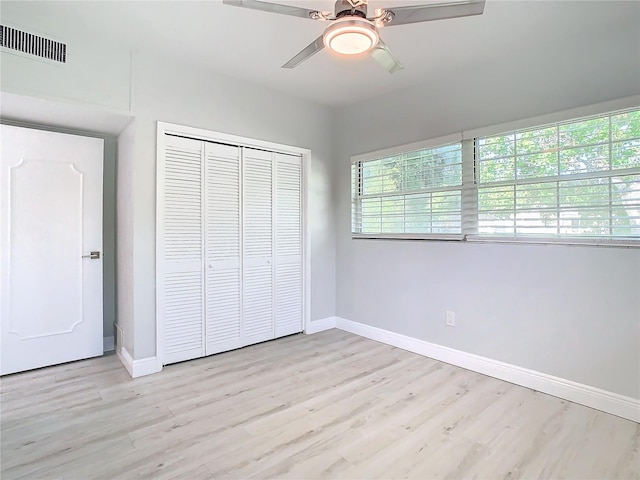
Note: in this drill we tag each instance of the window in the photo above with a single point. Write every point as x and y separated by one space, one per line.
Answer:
418 192
574 181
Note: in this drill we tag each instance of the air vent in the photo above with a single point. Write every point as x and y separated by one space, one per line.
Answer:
30 44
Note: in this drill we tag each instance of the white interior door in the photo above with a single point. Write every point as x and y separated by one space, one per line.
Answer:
50 222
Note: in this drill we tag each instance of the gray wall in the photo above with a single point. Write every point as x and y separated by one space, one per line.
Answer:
573 312
94 74
108 218
125 204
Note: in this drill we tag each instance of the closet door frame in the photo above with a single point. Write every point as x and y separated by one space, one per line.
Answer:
165 128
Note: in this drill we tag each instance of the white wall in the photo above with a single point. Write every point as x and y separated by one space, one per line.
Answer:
94 74
179 94
572 312
125 231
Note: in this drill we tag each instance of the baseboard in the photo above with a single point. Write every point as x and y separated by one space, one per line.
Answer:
316 326
622 406
108 344
137 368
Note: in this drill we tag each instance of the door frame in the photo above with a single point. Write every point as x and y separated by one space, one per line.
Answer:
164 128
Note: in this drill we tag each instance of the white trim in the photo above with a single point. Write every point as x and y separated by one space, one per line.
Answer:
306 242
108 344
159 238
410 147
321 325
567 241
409 236
620 405
126 359
211 136
138 368
562 116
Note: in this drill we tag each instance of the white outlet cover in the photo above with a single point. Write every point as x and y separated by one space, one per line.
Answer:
450 318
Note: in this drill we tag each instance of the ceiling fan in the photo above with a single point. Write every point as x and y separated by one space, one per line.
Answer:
351 32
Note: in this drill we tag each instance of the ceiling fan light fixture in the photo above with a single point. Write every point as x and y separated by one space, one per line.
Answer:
351 36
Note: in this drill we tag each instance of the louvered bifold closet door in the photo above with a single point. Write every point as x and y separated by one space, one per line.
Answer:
223 247
257 301
288 260
180 249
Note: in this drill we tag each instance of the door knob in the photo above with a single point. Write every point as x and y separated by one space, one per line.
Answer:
92 255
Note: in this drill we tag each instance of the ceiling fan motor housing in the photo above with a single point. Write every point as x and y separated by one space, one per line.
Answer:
347 8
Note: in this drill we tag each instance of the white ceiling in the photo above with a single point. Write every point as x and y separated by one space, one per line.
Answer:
252 45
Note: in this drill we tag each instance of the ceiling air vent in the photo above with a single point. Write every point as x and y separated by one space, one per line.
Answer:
24 42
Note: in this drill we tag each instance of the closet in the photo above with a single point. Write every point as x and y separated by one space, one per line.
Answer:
229 246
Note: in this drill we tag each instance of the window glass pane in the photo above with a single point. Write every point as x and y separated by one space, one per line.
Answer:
392 215
584 221
371 209
625 202
584 192
584 132
537 223
626 154
415 192
446 208
537 141
625 125
562 180
538 165
497 170
496 223
537 196
584 159
418 213
496 199
496 147
372 176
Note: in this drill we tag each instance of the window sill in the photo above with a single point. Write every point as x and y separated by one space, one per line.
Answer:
407 236
585 242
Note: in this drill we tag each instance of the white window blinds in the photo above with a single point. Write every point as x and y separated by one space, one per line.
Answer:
576 181
565 180
409 194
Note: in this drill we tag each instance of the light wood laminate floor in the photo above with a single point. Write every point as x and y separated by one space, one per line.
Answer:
329 405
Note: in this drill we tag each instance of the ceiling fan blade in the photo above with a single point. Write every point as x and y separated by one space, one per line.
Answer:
384 57
434 11
310 50
277 8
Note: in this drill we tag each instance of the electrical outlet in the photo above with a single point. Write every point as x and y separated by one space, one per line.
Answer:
450 318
